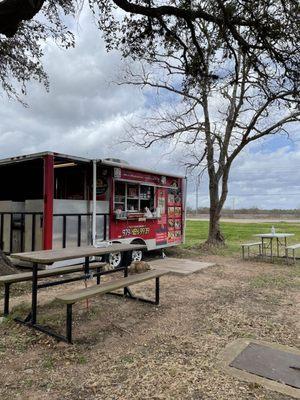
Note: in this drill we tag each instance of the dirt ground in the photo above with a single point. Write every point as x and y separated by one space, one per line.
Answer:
130 350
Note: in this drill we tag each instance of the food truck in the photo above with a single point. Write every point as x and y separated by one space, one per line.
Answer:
50 200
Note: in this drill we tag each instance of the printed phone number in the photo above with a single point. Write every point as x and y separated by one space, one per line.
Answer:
135 231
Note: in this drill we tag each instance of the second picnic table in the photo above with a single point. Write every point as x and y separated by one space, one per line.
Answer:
270 237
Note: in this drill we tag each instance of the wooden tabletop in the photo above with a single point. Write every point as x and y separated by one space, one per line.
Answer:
51 256
274 235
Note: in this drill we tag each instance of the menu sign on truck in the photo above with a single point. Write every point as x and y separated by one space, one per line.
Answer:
174 216
137 176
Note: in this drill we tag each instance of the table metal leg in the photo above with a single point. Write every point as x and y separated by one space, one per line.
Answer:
259 250
6 299
98 276
271 248
87 265
126 262
69 323
156 291
34 293
277 247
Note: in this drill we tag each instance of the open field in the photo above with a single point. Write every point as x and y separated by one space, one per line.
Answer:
248 219
236 233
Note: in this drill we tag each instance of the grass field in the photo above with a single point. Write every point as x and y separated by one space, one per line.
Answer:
237 233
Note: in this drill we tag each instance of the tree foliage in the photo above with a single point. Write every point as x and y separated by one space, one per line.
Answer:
21 52
266 30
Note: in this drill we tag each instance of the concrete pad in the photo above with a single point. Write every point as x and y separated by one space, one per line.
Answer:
233 349
179 266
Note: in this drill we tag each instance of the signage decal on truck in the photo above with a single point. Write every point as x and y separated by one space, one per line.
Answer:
135 231
161 235
174 216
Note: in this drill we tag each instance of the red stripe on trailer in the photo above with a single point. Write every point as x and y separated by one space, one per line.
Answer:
48 201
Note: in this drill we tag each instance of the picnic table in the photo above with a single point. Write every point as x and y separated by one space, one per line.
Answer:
47 257
279 238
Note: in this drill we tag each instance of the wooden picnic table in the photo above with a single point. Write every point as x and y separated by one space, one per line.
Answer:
47 257
273 236
50 256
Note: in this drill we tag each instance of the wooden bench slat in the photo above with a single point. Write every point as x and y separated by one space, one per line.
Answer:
27 276
82 294
251 244
293 246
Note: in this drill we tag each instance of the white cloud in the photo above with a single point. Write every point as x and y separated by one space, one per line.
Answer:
260 178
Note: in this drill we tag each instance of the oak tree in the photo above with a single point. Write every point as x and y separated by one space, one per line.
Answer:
244 52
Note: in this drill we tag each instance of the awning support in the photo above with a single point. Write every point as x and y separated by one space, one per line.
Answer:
94 232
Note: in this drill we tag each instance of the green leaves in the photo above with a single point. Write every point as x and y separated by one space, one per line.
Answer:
21 55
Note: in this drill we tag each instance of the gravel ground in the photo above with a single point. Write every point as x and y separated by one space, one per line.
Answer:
126 350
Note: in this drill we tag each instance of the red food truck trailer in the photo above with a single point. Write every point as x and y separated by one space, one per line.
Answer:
51 200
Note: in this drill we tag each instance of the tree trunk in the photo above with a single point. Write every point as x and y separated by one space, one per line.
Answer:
6 267
215 236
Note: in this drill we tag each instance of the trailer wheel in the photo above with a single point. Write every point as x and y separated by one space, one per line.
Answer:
115 259
137 255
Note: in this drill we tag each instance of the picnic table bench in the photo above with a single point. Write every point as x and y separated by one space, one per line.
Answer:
71 298
292 247
248 245
51 256
8 280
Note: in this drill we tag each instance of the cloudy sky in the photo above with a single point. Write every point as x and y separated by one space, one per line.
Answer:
86 113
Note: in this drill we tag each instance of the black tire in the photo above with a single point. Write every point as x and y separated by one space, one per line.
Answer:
115 260
137 255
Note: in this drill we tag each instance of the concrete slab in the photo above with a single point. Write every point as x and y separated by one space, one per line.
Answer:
267 362
236 347
180 266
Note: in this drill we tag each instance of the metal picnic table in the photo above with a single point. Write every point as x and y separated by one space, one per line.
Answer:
278 237
47 257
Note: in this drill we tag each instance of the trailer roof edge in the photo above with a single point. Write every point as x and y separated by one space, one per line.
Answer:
34 156
134 168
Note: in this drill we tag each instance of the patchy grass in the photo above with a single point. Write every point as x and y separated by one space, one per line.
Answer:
236 233
270 282
48 362
125 349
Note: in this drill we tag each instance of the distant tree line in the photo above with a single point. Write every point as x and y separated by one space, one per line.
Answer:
295 212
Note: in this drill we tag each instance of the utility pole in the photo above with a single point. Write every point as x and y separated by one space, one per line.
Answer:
197 193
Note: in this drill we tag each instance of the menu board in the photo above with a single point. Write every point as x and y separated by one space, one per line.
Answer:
161 201
174 216
161 234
